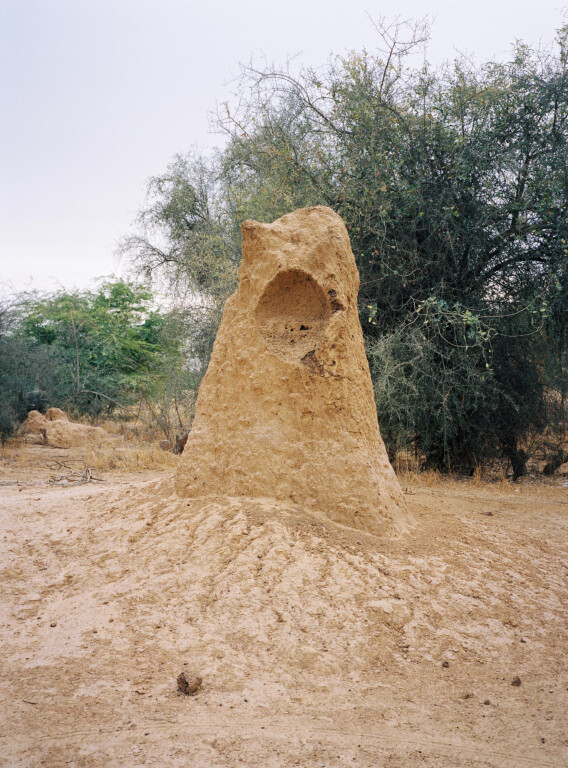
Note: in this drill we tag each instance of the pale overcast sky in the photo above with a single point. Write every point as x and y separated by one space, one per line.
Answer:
98 95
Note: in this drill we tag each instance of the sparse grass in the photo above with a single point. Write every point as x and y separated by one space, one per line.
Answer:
428 478
13 453
133 427
132 448
130 457
407 462
145 422
136 447
478 476
408 467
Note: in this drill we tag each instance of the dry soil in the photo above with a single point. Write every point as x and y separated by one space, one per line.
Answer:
318 645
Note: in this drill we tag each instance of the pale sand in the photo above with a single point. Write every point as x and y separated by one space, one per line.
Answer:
318 644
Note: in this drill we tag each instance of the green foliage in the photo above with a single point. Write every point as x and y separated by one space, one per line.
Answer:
182 238
91 351
453 184
20 362
105 340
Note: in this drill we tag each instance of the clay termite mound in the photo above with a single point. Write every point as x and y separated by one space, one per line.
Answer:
57 429
286 410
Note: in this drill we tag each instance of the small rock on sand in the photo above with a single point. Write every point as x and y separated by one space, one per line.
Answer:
189 684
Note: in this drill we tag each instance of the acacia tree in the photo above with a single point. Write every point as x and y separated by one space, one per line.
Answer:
182 238
187 244
453 184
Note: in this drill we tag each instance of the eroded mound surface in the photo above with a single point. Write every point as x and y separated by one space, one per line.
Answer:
286 409
317 643
292 314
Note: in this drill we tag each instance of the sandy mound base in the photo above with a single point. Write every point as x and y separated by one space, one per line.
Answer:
317 644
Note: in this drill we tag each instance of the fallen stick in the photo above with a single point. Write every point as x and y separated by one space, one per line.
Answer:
73 476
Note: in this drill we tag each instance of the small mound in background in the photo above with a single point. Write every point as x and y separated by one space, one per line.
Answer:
56 429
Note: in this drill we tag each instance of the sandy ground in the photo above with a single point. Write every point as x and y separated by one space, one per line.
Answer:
318 645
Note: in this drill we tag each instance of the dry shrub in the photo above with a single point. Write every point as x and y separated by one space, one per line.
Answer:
478 475
408 466
10 455
428 478
130 457
144 423
407 462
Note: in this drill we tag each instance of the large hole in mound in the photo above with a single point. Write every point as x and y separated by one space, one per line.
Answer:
291 315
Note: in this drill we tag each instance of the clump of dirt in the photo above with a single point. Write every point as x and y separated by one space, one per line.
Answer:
36 423
189 684
58 430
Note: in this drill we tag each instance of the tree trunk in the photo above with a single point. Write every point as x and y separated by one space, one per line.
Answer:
518 458
556 461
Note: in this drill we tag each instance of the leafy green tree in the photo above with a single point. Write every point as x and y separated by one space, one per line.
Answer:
105 341
95 351
453 184
183 238
21 361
